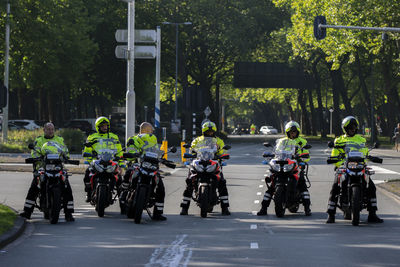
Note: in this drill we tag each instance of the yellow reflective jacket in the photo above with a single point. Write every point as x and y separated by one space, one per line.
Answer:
102 142
220 144
41 140
300 143
355 143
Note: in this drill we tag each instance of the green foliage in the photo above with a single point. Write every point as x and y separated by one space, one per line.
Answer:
73 139
7 218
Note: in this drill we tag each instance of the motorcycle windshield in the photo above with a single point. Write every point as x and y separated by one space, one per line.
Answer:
206 148
106 146
52 150
284 149
153 152
354 150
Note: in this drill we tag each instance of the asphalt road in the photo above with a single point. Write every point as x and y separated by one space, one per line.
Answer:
242 239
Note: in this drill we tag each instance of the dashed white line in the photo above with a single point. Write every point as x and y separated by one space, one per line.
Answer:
256 201
254 212
254 245
258 193
261 186
253 226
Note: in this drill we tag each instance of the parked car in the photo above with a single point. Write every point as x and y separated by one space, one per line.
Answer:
81 124
25 124
268 130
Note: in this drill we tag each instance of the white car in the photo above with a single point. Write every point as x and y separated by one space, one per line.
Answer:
25 124
268 130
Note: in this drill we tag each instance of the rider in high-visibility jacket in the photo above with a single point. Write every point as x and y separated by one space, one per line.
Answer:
102 139
253 129
208 129
292 130
41 144
356 142
138 144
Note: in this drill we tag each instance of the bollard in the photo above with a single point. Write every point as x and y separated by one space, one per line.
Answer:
183 149
164 145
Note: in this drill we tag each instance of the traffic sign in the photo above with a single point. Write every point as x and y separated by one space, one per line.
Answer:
141 36
141 51
319 32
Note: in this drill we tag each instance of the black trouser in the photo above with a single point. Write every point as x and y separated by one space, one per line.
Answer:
34 190
221 186
301 186
335 191
130 177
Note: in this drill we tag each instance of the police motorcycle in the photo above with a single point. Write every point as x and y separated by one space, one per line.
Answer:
204 171
356 173
145 175
51 179
104 172
285 168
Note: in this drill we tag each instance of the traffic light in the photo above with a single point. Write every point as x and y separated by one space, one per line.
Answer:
319 32
3 96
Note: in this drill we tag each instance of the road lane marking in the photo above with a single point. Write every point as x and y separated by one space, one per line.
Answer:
254 245
176 254
258 193
261 186
256 201
254 212
253 226
380 170
174 171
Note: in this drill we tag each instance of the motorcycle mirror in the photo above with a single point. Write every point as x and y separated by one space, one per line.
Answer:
73 162
186 145
87 155
131 155
267 144
308 146
188 156
172 149
268 154
31 146
330 144
305 156
225 156
227 147
377 145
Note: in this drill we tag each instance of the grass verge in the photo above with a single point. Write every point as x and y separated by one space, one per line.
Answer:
7 218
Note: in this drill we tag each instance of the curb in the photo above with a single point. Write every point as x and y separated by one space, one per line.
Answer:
15 232
388 193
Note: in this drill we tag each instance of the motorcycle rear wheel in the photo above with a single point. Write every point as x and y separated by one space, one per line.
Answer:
101 200
356 205
203 196
279 200
54 205
140 205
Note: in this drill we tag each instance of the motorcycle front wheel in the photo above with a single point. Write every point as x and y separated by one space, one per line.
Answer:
356 205
101 200
54 204
140 204
279 200
203 197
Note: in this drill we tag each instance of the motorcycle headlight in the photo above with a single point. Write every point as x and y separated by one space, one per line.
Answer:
275 167
288 167
198 167
50 167
354 165
149 166
211 168
111 168
98 167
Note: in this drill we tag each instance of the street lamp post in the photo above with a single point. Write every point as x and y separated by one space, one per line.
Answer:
176 61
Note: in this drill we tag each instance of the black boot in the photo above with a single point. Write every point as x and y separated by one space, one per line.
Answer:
225 211
373 218
159 217
88 196
331 218
184 210
69 217
26 215
262 212
307 211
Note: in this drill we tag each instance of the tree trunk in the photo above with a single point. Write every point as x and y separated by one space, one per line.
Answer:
336 116
305 125
317 80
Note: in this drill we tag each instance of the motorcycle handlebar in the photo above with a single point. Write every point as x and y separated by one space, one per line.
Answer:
375 159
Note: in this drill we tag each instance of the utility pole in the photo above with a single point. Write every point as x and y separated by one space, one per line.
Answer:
6 74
